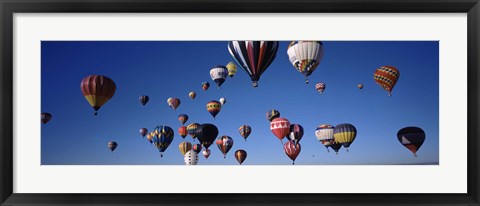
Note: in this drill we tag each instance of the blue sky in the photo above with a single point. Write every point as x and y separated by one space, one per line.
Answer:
163 69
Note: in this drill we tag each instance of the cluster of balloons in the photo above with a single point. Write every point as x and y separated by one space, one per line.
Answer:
254 57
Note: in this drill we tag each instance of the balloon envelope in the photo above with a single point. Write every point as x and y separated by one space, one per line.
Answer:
296 133
320 87
143 131
97 90
305 56
192 95
206 153
192 130
219 74
386 77
205 86
173 102
240 155
224 144
280 127
345 134
143 99
197 148
292 150
191 158
46 117
162 136
182 118
245 131
207 133
182 131
253 56
184 147
412 138
232 69
214 107
112 145
272 114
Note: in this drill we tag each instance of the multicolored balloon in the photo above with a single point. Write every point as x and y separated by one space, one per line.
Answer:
97 90
207 133
320 87
173 102
205 86
184 147
360 86
219 74
162 137
192 130
192 95
232 69
253 56
143 99
240 155
245 131
143 132
214 107
182 118
222 100
296 133
412 138
305 56
272 114
324 134
182 130
280 127
112 145
224 144
197 148
345 134
206 153
191 158
292 150
46 117
386 77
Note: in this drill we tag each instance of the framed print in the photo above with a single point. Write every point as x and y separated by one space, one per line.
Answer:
251 103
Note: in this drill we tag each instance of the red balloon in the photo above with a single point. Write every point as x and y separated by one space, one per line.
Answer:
280 127
292 150
182 130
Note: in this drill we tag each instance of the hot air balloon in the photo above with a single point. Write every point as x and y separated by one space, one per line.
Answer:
182 130
324 134
206 153
232 69
336 147
245 131
191 158
214 108
173 103
386 77
345 134
143 99
253 56
162 137
292 150
192 95
272 114
320 87
46 117
296 133
224 144
182 118
280 127
184 147
305 56
143 132
222 100
412 138
360 86
207 133
219 74
97 90
240 155
205 86
112 145
197 148
150 138
192 130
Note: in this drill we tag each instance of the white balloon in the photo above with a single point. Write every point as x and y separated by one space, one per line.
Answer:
191 158
223 100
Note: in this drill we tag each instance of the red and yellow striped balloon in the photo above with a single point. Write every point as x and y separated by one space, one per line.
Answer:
97 90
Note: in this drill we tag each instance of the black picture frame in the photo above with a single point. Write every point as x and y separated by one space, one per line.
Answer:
10 7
